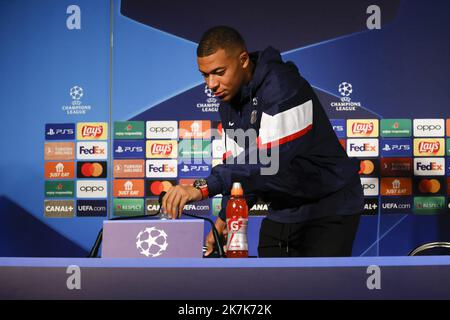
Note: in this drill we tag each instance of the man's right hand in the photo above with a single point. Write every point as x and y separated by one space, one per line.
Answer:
221 227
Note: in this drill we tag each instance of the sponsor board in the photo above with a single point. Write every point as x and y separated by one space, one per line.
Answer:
92 130
428 127
128 207
59 131
202 207
402 205
129 130
128 188
161 168
396 186
88 169
59 189
153 188
369 167
339 127
215 162
59 170
370 206
429 147
396 147
194 149
362 128
343 143
217 149
370 186
92 208
92 189
362 148
59 208
198 129
260 208
162 130
201 169
448 147
395 128
129 168
161 149
429 205
92 150
217 129
216 206
430 186
129 149
152 206
429 166
396 167
59 151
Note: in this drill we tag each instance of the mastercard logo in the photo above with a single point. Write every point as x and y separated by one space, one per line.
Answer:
156 187
94 169
366 167
429 186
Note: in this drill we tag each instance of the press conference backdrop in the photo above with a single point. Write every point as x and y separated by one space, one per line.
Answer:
103 108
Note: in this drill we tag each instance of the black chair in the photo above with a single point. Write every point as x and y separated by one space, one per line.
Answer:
431 249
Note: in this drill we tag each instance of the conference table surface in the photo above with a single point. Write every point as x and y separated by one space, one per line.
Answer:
426 277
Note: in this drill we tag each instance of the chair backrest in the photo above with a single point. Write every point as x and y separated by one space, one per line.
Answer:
431 249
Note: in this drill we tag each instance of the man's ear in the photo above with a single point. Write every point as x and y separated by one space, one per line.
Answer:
244 59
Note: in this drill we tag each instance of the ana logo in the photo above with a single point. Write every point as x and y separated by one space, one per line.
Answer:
429 127
92 131
76 92
345 89
152 242
428 147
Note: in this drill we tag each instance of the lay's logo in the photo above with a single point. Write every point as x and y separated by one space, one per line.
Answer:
92 131
362 128
429 147
162 149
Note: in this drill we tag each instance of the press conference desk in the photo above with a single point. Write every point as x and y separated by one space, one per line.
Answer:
293 278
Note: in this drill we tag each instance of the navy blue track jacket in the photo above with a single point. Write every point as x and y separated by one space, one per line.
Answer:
315 178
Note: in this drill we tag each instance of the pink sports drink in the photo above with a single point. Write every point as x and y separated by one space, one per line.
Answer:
237 221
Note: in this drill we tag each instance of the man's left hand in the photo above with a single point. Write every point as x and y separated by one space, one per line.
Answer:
177 197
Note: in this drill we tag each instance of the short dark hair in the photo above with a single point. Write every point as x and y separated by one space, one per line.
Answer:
220 37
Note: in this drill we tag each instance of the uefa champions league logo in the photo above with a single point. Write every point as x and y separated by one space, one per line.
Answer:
76 92
210 94
345 89
151 242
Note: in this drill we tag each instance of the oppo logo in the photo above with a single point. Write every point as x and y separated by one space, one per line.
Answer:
428 127
92 188
368 186
161 129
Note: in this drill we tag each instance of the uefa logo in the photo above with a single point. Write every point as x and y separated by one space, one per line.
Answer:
76 92
345 89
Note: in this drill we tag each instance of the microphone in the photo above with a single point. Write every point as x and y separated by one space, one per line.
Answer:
213 227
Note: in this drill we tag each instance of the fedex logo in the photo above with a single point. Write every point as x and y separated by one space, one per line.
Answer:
429 166
161 169
92 150
362 147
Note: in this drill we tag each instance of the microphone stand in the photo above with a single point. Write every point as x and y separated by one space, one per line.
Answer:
95 248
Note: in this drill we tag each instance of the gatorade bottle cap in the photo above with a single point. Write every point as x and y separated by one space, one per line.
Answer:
236 189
